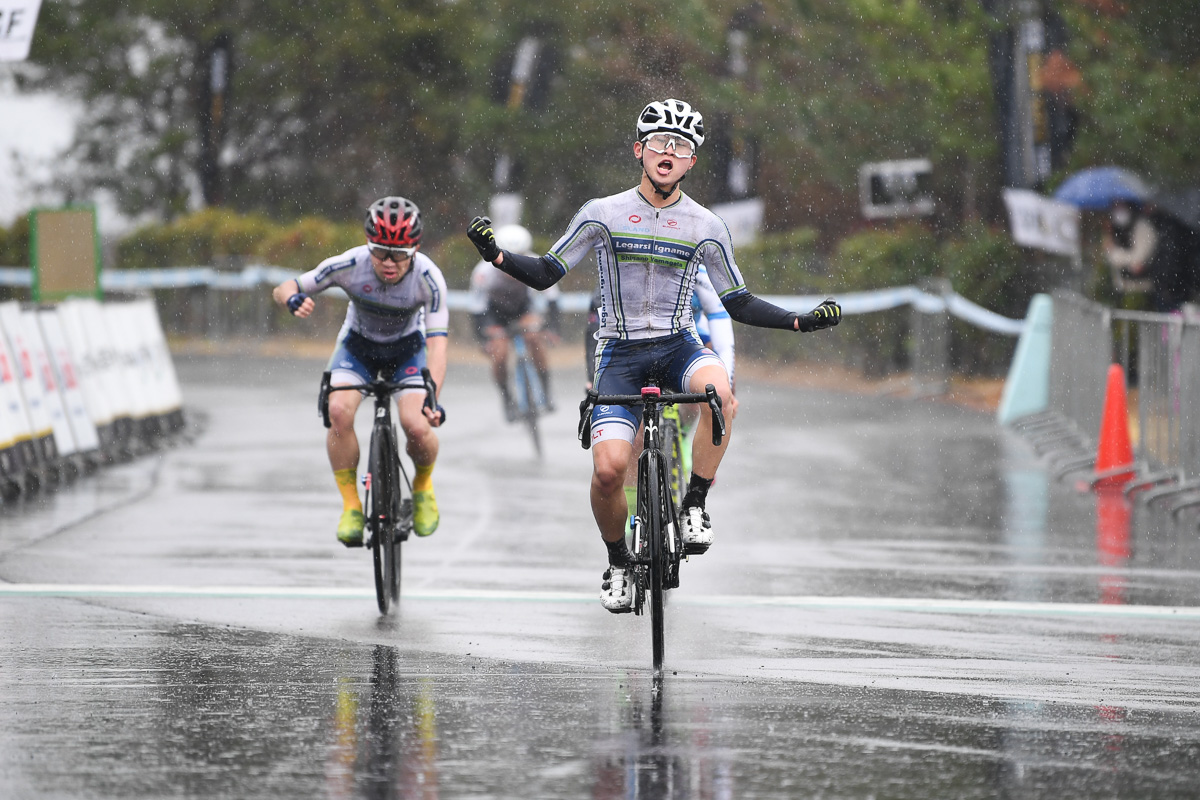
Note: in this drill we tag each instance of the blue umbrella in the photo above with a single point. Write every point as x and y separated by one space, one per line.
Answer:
1100 187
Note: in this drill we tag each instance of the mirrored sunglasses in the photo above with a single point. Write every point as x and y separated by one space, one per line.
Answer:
680 147
397 254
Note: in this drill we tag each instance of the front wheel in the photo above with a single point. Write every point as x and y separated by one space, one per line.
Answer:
380 508
654 524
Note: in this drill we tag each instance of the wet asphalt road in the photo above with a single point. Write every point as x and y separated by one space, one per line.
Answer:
900 604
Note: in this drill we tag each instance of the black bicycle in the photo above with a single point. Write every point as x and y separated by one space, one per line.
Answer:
657 539
388 505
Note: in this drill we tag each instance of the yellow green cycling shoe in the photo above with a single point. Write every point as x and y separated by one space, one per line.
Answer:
425 513
350 527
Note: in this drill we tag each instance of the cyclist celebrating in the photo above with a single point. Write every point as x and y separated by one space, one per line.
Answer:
501 304
650 242
396 323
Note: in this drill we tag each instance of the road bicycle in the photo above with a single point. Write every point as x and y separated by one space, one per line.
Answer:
388 504
528 392
657 539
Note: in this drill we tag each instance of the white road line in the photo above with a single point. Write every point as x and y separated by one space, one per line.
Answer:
912 604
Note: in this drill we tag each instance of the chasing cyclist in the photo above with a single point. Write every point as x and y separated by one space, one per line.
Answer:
396 323
502 304
649 243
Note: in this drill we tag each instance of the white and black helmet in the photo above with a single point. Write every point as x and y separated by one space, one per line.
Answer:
671 116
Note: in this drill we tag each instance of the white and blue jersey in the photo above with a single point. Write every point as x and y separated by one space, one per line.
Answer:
378 311
386 323
648 259
712 321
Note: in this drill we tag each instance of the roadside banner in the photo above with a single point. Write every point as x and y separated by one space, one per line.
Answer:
1042 223
17 21
47 378
83 429
30 385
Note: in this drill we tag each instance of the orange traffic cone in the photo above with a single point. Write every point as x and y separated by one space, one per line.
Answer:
1115 450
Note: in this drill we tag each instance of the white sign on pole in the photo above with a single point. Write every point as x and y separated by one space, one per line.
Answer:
505 209
744 218
17 20
1043 223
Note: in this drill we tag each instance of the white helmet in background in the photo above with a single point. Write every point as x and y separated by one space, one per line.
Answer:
514 239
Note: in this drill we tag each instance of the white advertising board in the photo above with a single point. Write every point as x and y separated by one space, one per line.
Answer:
1042 223
17 21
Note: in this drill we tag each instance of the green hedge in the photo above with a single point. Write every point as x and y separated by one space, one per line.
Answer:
216 236
981 263
14 244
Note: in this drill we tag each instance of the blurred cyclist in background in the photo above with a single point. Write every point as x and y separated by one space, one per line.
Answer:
501 304
396 324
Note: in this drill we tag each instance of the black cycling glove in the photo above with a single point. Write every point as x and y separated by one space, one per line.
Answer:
295 301
826 315
481 235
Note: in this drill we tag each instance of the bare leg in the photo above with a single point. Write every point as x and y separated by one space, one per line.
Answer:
610 460
422 446
706 456
341 442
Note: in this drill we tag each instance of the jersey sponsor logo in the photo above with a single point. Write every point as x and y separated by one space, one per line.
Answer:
411 370
672 223
367 288
635 219
596 434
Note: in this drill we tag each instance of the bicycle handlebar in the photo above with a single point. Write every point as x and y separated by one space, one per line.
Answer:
376 388
592 399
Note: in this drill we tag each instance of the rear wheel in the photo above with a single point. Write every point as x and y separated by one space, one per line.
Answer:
673 446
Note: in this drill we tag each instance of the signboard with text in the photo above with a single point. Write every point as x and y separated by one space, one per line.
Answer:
17 20
1042 223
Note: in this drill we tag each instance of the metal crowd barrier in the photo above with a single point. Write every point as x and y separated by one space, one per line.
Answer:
1160 358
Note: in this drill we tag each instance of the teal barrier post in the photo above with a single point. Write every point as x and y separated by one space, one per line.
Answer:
1027 387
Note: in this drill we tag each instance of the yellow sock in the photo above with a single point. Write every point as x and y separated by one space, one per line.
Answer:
347 482
423 481
631 499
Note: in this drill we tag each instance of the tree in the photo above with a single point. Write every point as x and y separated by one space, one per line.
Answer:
330 104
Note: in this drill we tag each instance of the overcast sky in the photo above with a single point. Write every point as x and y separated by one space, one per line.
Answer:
32 130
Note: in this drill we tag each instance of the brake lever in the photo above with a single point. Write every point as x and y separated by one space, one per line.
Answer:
718 419
585 419
431 394
323 398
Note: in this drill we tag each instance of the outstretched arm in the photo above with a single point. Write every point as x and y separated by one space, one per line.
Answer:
750 310
539 273
288 294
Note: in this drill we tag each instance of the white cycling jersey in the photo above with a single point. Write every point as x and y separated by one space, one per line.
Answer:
712 320
379 311
648 259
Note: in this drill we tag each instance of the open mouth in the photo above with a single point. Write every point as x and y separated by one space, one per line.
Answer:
665 166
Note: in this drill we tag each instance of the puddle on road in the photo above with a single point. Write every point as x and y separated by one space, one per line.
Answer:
193 711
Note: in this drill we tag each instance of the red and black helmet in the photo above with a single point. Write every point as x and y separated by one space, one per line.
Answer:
393 222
